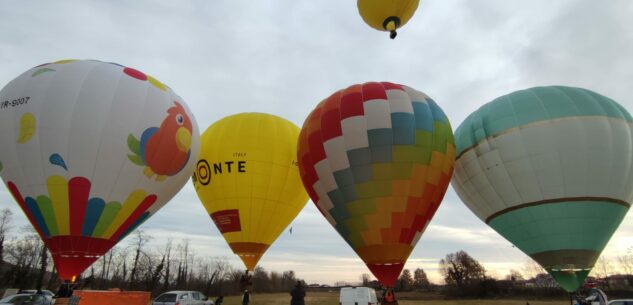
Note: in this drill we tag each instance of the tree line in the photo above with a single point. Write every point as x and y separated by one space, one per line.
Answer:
464 276
25 263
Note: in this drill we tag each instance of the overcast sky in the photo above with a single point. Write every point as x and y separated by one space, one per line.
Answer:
284 56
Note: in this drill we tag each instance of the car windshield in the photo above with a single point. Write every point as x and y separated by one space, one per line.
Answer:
167 297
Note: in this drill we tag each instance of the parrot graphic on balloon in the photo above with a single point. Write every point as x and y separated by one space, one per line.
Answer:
164 150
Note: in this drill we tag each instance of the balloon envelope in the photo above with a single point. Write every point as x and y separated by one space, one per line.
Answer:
90 150
376 159
387 15
248 181
549 168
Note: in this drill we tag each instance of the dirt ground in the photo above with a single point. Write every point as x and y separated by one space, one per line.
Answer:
331 298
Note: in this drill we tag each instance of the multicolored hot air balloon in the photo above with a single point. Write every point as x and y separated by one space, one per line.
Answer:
387 15
248 181
550 169
77 139
376 159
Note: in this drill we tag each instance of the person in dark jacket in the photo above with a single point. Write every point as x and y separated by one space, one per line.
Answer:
246 297
298 293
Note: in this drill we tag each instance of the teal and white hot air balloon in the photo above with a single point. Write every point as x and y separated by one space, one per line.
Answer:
549 168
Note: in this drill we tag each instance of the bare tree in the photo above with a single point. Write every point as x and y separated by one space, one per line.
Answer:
420 280
167 257
365 278
625 261
5 220
514 276
139 241
23 253
43 266
531 269
460 269
603 267
405 281
183 265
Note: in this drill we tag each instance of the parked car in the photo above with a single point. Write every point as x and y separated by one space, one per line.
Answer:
182 298
24 299
357 295
621 302
46 293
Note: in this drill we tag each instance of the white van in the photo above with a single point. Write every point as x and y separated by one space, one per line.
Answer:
358 296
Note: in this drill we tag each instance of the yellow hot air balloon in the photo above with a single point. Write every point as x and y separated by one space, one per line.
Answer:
248 180
387 15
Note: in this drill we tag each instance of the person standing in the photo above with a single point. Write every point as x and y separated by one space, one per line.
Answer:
246 297
298 294
388 298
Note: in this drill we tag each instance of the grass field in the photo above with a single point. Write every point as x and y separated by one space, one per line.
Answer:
324 298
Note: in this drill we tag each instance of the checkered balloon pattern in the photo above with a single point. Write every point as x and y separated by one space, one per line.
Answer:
376 159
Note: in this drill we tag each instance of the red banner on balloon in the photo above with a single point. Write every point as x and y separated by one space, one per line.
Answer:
227 221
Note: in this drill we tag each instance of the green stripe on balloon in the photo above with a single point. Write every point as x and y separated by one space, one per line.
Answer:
533 105
569 280
362 206
374 189
443 134
107 216
36 213
45 206
564 225
392 171
407 153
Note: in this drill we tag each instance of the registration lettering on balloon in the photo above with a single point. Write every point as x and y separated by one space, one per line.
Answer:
77 186
15 102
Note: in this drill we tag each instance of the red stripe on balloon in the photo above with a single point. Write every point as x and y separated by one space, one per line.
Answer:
78 193
145 204
391 86
317 152
374 91
387 274
331 118
352 102
20 200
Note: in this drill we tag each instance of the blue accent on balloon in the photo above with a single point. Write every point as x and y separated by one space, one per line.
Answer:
423 116
438 114
56 159
147 134
403 126
94 208
34 210
135 225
